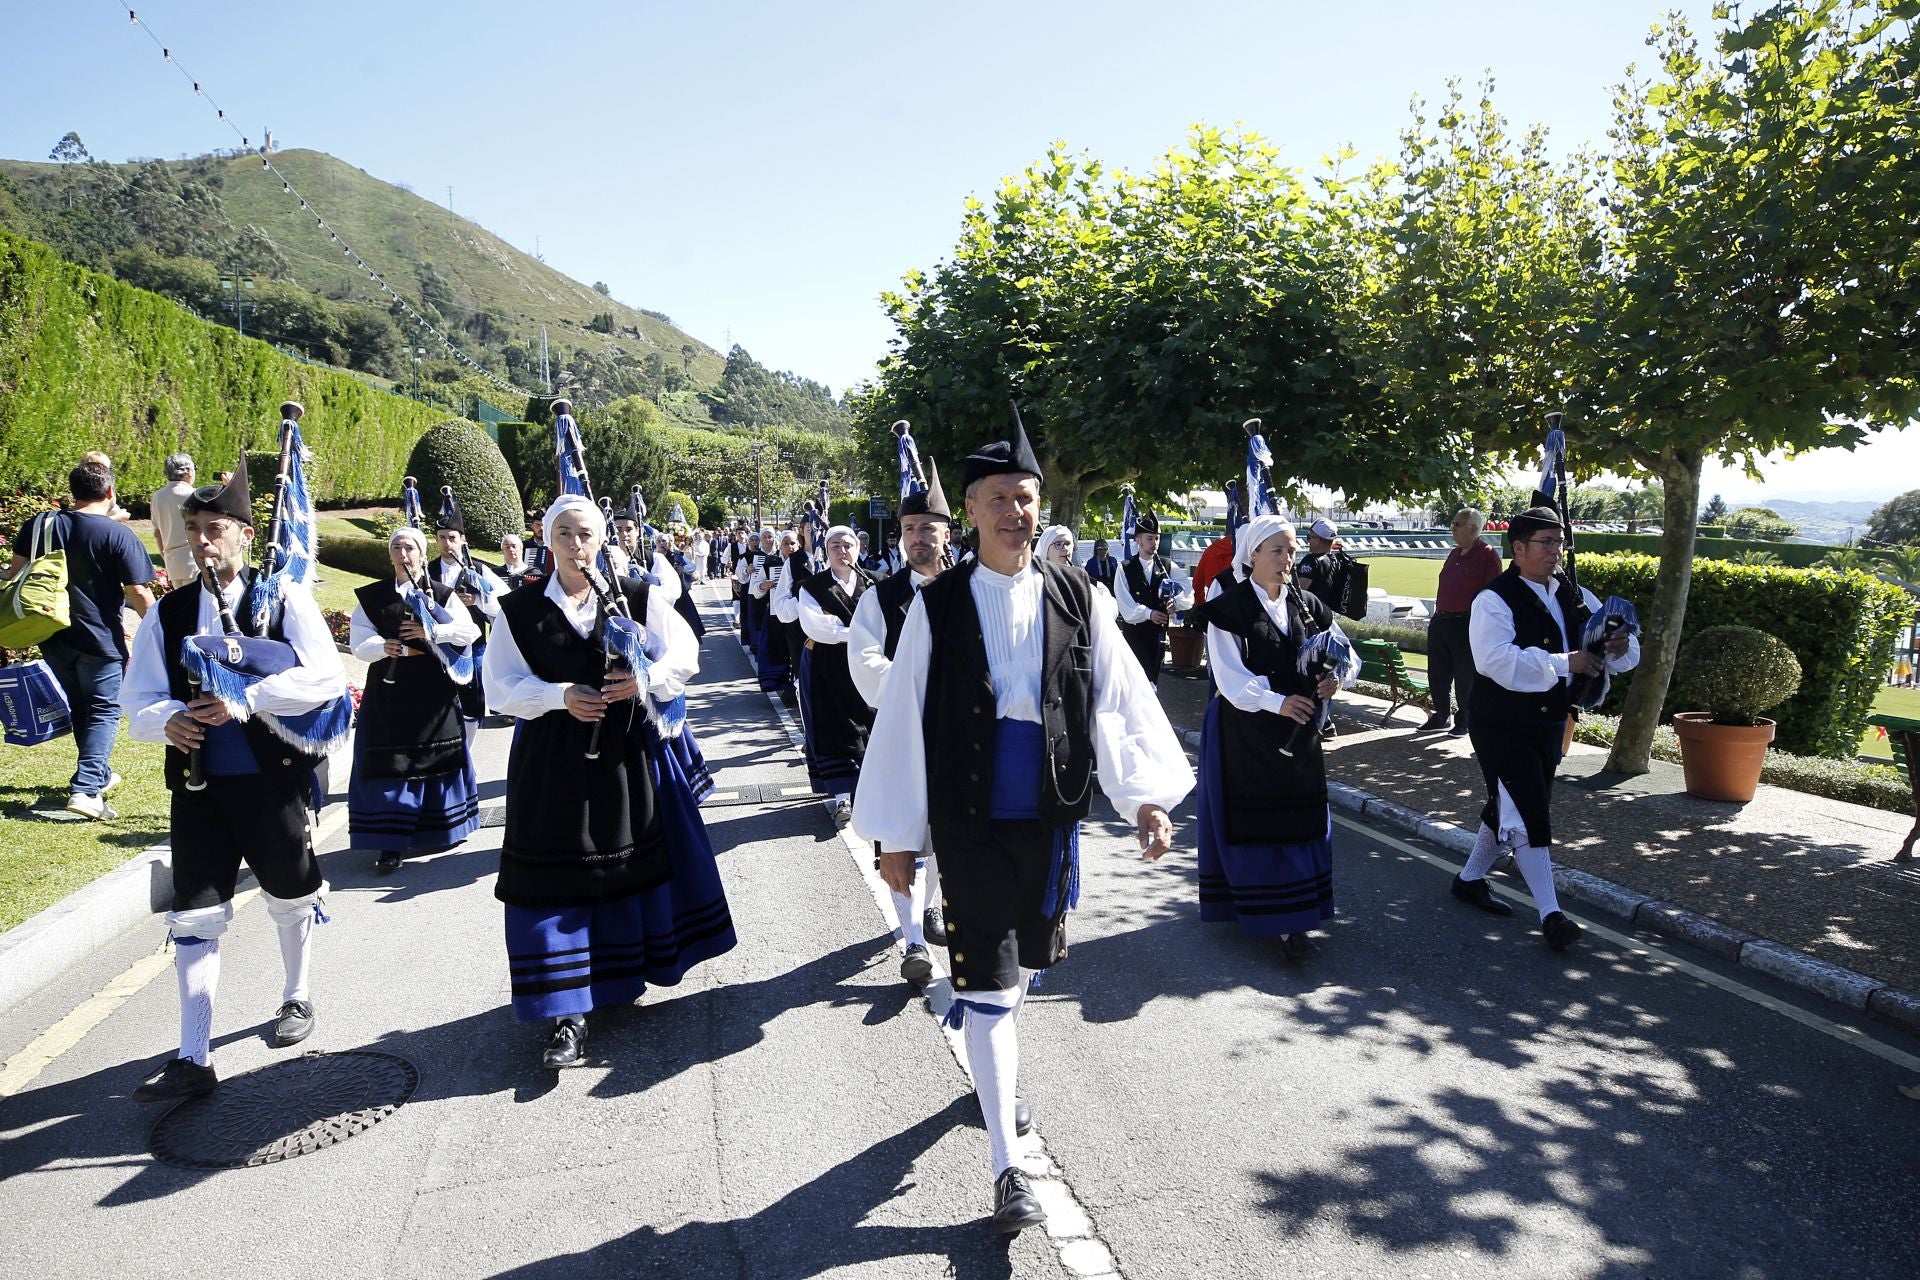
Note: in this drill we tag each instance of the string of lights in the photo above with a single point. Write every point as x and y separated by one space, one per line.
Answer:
306 207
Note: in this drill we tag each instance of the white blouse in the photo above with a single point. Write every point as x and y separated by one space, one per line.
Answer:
513 689
1239 685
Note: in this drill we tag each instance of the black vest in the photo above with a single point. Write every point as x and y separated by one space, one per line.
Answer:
826 592
1533 628
896 601
1146 590
411 727
960 712
281 764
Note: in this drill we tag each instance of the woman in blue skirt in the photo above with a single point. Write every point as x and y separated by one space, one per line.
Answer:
1265 832
606 870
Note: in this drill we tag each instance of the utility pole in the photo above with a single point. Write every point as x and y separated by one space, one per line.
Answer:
239 286
756 484
546 373
417 353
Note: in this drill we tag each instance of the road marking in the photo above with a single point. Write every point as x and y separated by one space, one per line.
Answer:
43 1050
1659 955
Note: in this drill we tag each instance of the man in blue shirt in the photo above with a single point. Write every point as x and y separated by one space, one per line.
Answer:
106 567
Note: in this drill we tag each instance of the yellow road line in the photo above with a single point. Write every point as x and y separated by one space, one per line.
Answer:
1661 956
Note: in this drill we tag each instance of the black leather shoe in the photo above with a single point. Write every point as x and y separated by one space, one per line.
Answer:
916 967
293 1023
789 699
1327 731
387 863
567 1047
935 926
1459 730
1435 724
1015 1207
1559 931
1481 895
181 1078
1022 1117
1300 947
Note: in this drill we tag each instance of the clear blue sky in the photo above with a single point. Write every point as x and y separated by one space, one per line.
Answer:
762 171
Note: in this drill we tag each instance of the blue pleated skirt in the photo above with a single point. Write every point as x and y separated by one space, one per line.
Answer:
576 959
686 750
1269 889
770 657
404 815
829 775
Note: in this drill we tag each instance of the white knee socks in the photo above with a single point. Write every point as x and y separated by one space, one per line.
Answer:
1486 848
1536 865
296 950
993 1053
196 963
908 907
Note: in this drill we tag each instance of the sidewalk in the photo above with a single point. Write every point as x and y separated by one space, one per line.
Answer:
1809 873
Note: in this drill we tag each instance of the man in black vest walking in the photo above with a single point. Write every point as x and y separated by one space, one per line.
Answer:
1150 589
1010 691
251 801
1526 628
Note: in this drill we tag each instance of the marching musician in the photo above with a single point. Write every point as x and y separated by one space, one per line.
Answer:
252 804
772 659
796 565
1002 794
1526 629
606 871
480 589
1150 589
413 788
1056 546
837 718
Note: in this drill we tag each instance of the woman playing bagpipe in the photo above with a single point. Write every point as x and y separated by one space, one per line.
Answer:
248 703
413 788
836 718
605 868
1265 833
476 586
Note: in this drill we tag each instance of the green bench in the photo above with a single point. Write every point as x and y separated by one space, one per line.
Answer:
1904 734
1382 663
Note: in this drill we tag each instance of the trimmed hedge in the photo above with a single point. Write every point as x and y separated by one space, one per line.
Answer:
1410 639
365 556
1706 546
1841 626
457 453
88 362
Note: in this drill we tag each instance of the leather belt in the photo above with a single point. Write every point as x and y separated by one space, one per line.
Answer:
1450 613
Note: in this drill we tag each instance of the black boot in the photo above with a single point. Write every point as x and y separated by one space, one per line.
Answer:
1480 894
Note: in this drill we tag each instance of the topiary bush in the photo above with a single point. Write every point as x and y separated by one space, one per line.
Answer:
1736 673
459 454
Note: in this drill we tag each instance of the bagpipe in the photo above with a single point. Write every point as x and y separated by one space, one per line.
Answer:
1616 616
626 642
1321 653
456 659
470 579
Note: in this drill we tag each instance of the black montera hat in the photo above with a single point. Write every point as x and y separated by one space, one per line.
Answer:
1003 457
1531 521
230 499
931 502
635 510
449 517
1146 522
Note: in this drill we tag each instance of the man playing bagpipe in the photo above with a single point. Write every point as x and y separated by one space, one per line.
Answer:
247 705
1150 589
478 587
837 718
413 788
606 870
1539 642
872 638
1011 693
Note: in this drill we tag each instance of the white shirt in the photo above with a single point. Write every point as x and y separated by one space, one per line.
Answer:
1135 611
867 659
1239 685
513 689
149 703
1496 656
822 627
170 531
447 573
1140 760
370 646
784 601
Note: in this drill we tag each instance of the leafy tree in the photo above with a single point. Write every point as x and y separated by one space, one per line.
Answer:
1641 502
600 287
69 150
602 322
1901 565
1897 520
1593 502
1842 559
1760 522
1715 512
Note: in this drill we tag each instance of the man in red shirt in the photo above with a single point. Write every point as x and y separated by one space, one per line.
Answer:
1212 561
1471 565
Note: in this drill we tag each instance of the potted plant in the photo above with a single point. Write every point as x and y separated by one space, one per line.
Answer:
1735 673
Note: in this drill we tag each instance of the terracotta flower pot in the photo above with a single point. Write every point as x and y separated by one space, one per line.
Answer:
1187 643
1721 761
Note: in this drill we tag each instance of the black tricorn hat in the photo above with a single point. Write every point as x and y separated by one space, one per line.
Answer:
1541 519
230 499
932 501
1003 457
1146 522
635 510
449 516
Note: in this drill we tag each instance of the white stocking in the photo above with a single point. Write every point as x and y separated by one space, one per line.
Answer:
293 918
1536 864
993 1051
1486 848
196 962
926 887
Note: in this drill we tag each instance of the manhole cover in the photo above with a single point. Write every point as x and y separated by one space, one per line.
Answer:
288 1109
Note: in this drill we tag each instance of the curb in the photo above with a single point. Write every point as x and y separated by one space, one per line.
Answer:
1796 968
42 947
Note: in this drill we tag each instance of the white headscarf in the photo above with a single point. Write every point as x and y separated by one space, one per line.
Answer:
560 506
1252 534
1054 533
408 533
841 531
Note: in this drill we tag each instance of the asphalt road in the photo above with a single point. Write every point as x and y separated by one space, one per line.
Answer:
1435 1095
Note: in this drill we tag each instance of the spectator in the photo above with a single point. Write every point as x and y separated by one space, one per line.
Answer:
106 566
116 512
1100 566
513 567
169 525
1471 565
1319 570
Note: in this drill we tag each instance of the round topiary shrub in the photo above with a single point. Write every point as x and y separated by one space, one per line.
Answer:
1735 673
459 454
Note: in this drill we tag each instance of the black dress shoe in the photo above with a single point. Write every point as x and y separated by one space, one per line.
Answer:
916 967
1015 1207
293 1023
181 1078
1459 730
1435 724
1481 895
935 926
789 699
387 863
1327 731
567 1046
1022 1117
1559 931
1300 947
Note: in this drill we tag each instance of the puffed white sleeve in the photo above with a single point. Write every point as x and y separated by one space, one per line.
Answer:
669 577
1184 582
144 694
820 626
367 644
675 668
895 815
1499 659
867 660
1130 611
319 678
1140 757
1236 683
512 687
460 629
784 603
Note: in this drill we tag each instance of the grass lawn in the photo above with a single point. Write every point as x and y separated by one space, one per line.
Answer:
1404 575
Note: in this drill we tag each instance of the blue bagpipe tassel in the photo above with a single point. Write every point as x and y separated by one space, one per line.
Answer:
1065 871
628 642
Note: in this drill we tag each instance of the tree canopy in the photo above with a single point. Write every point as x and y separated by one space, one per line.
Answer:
1897 521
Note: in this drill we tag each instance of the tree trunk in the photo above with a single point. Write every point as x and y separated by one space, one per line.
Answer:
1660 646
1066 501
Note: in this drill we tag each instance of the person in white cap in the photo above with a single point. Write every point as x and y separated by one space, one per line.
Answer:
1320 572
